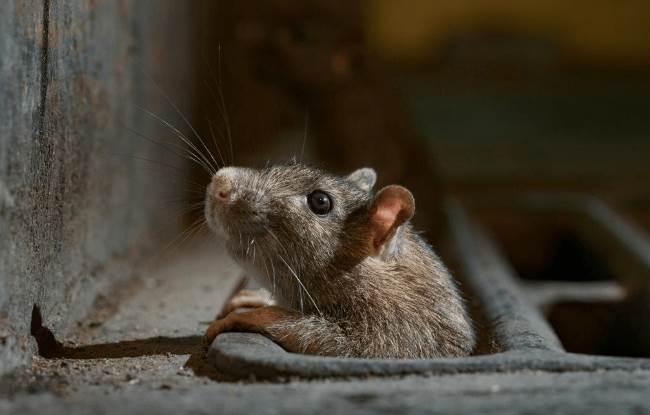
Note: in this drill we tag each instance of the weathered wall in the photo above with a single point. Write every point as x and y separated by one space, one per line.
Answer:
74 203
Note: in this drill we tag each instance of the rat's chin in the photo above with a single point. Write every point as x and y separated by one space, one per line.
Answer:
218 229
239 230
215 223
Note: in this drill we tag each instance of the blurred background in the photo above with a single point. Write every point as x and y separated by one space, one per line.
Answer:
477 98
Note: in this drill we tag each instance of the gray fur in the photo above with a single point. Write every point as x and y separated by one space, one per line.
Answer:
402 304
365 178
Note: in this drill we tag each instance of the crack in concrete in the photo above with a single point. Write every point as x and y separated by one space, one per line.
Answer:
45 54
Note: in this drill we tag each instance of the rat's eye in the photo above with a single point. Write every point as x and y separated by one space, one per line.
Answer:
319 202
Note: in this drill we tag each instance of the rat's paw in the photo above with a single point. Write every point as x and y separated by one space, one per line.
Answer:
247 299
254 321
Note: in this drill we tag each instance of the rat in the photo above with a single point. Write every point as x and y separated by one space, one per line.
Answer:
345 273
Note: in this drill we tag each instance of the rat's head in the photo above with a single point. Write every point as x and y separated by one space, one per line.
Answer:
303 220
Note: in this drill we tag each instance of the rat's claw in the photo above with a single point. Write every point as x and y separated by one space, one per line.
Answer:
247 299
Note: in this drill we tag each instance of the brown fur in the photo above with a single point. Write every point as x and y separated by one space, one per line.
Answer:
339 296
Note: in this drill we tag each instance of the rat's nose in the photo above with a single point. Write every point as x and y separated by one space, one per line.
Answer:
222 187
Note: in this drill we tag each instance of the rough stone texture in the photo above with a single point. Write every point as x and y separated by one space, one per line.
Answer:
573 393
72 205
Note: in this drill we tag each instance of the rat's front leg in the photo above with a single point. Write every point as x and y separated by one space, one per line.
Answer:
259 320
292 330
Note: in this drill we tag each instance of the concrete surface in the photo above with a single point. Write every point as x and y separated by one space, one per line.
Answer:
76 208
147 332
141 352
576 393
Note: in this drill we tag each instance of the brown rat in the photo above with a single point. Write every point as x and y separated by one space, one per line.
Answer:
349 275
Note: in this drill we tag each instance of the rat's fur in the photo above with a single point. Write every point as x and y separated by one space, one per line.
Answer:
400 303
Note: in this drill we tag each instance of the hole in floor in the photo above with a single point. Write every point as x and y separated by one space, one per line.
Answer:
569 259
581 297
545 247
603 328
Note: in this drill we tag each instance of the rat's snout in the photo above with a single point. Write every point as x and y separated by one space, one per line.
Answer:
227 185
233 204
222 186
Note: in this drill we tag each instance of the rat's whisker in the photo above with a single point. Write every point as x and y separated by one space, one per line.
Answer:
216 144
184 152
185 120
195 231
248 248
197 192
182 236
225 111
241 248
266 268
202 159
301 284
192 202
283 247
224 122
157 162
304 137
193 207
221 102
193 150
273 276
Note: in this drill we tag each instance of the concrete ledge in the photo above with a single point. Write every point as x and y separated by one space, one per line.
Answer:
247 355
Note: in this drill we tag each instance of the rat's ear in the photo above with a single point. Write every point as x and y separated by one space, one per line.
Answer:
392 206
364 178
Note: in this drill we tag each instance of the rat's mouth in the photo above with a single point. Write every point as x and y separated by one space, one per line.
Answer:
235 222
233 212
